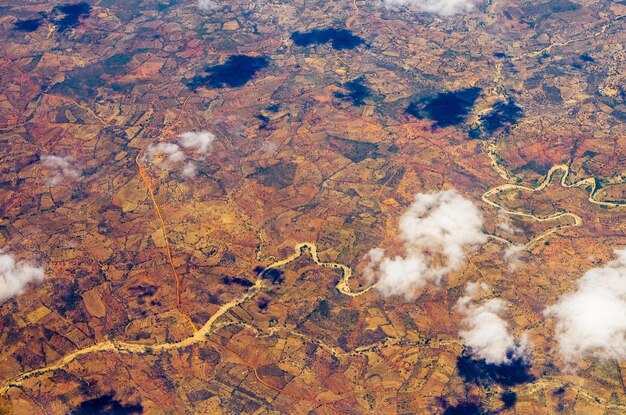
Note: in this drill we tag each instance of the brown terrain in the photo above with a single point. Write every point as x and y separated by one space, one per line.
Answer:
155 290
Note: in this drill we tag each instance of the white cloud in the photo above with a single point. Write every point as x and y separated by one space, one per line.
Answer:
190 169
268 147
485 332
15 276
164 155
513 256
189 149
442 7
504 223
591 320
207 5
437 231
200 142
60 169
398 275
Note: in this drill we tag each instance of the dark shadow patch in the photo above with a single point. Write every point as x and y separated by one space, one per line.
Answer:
68 16
234 73
227 259
340 38
265 121
539 167
277 176
502 114
121 87
263 303
164 6
117 63
480 372
553 94
586 58
273 108
474 132
106 405
81 82
561 401
126 11
356 151
142 292
415 109
357 92
446 109
236 280
533 82
560 6
28 25
263 118
509 398
465 408
69 296
274 275
323 308
544 10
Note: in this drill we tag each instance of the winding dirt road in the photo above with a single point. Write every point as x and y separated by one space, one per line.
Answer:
577 220
202 334
343 285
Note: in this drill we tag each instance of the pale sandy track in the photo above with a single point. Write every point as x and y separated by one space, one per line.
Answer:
343 286
200 335
203 334
126 347
583 183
